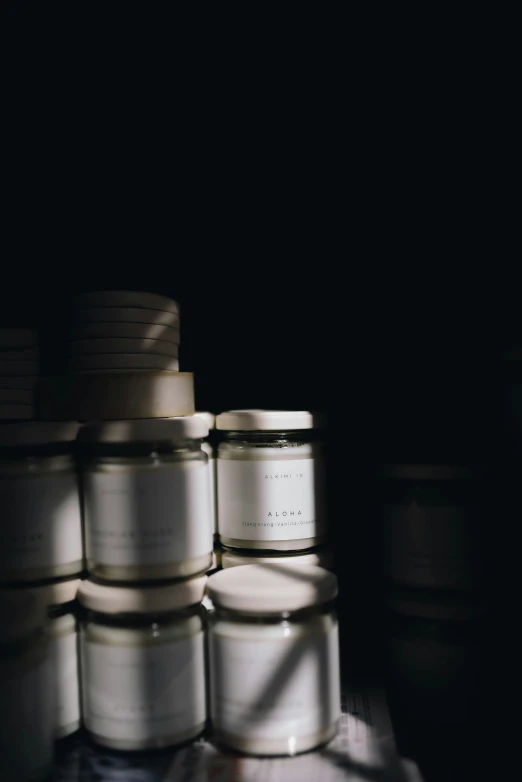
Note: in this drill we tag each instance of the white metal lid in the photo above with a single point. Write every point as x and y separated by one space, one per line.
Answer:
109 599
142 300
444 607
58 592
126 330
121 345
426 472
210 419
264 589
117 361
38 433
21 613
265 420
17 338
144 430
14 411
18 367
231 559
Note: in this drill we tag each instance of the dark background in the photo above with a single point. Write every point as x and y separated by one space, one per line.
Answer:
329 203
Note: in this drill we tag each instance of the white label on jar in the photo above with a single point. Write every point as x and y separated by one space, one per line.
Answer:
275 689
435 546
143 692
40 521
64 654
147 517
270 500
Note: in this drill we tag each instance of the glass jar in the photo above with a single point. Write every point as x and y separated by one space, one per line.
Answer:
270 480
431 525
321 557
433 655
274 658
26 716
208 447
142 663
60 599
40 516
146 499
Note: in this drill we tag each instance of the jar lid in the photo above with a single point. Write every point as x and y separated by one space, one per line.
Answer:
259 589
38 433
115 362
109 599
209 418
142 300
128 345
428 606
59 592
112 329
126 315
265 420
21 612
427 472
231 559
17 338
144 430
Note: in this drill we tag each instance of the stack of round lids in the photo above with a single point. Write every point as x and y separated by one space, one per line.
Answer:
124 331
19 362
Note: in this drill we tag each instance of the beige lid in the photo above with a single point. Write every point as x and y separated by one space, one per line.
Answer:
444 607
17 367
15 412
116 395
426 472
117 361
231 559
126 330
58 592
17 338
109 599
142 300
265 420
210 419
262 589
122 345
38 433
145 430
22 612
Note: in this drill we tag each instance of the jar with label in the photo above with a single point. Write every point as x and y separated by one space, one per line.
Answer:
146 498
434 649
270 480
431 525
60 599
143 663
40 517
27 713
208 446
321 557
274 658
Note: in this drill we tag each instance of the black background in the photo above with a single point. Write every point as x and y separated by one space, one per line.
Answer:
329 205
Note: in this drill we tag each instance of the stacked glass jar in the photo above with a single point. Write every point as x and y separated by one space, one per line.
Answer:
149 543
271 488
42 559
